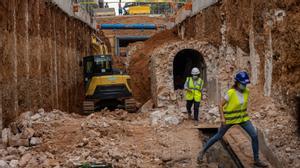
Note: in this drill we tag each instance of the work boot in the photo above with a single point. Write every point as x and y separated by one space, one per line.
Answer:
259 163
196 123
200 157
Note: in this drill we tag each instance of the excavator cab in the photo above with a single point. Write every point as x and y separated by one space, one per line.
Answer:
104 85
96 65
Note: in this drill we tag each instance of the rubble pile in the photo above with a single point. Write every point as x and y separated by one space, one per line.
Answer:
113 137
166 116
24 134
280 131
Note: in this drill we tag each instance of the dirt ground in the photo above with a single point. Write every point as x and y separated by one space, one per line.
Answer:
117 137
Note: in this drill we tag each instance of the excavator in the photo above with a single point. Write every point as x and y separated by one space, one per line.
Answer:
105 86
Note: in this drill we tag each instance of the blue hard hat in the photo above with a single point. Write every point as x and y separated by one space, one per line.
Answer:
242 77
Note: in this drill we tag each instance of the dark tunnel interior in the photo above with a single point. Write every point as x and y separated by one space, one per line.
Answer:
183 63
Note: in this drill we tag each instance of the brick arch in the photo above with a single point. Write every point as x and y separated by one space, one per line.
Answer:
183 63
162 68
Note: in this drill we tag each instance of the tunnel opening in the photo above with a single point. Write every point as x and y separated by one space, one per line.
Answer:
183 63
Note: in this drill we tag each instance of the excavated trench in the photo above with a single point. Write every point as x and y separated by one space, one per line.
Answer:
220 153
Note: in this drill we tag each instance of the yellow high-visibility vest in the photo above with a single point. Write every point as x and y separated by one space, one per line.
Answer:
195 93
234 111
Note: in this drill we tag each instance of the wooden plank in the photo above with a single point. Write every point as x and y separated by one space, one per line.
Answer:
240 143
207 126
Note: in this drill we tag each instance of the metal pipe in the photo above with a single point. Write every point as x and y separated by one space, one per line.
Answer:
128 26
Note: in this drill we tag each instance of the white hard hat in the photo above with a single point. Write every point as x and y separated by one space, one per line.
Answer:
195 71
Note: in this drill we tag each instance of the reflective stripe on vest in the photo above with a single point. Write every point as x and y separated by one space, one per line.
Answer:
234 111
195 93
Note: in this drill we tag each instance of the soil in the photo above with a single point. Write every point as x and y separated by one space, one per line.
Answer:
40 52
117 137
139 63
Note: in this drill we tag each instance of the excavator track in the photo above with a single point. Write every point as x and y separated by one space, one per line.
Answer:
88 107
130 105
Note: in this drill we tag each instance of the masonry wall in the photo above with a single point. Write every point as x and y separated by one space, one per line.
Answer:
40 50
266 30
261 37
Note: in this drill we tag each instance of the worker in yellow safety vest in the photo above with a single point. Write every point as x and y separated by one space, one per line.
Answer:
193 86
233 111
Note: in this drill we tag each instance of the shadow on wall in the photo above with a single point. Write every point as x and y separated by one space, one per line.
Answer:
183 63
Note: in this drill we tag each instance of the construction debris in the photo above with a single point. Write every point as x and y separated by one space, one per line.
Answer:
115 137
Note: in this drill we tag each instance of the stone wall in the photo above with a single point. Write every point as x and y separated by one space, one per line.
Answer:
259 36
220 62
266 30
40 50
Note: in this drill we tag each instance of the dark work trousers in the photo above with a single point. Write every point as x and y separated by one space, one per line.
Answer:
189 104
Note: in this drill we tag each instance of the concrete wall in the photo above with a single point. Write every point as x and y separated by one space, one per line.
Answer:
67 6
41 47
199 5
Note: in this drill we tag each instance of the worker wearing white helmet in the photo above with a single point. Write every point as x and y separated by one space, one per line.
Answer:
193 86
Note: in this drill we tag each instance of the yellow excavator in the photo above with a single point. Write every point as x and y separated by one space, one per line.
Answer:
104 85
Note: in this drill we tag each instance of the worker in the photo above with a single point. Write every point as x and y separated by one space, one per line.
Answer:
106 5
233 111
193 86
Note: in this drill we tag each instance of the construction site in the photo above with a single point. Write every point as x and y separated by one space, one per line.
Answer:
106 83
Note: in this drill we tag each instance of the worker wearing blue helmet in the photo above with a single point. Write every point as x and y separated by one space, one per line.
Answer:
233 111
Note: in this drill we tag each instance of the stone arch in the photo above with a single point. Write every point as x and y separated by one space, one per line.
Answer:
183 63
161 69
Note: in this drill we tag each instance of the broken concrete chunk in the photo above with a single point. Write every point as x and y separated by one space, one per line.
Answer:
148 106
25 159
5 136
3 164
33 162
35 141
16 141
214 111
41 110
155 117
3 152
10 157
22 150
27 133
36 117
172 120
13 163
14 128
12 150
